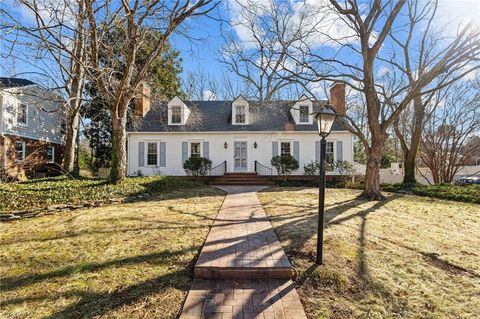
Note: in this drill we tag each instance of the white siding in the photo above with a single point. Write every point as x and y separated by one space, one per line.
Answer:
218 154
44 115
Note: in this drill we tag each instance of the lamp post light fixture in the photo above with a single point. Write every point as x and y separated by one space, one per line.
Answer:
325 119
225 145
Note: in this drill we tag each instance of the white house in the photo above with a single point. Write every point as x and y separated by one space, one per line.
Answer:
238 136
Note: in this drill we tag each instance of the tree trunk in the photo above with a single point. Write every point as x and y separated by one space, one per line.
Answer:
372 189
410 155
70 140
118 170
409 165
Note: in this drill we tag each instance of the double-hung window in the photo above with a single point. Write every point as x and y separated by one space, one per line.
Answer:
304 114
176 115
51 154
285 148
63 127
22 114
329 158
19 150
152 154
240 114
195 150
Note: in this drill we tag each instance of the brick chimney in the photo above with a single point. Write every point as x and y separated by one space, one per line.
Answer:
142 101
337 97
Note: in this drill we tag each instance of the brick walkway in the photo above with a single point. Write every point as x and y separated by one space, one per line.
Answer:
242 271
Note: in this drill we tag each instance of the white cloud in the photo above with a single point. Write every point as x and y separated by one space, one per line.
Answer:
209 96
458 13
330 29
50 11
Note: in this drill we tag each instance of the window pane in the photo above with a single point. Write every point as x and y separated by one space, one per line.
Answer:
176 115
50 154
63 127
19 150
329 159
22 114
303 113
152 154
285 148
195 149
240 114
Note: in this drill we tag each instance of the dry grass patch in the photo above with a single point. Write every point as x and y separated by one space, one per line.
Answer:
405 257
122 261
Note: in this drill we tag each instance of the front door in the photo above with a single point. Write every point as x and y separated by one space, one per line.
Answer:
240 156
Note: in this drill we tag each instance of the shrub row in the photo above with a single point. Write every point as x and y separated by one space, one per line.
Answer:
467 193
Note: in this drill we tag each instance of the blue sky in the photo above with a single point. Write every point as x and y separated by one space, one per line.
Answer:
202 54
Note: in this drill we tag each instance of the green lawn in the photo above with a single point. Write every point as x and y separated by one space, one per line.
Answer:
37 194
131 260
405 257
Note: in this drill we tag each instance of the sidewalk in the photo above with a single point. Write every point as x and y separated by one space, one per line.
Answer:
242 271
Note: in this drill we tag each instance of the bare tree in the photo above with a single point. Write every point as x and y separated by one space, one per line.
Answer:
448 130
119 87
57 37
417 56
358 60
270 30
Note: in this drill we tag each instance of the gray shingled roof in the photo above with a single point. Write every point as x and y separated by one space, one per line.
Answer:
14 82
216 116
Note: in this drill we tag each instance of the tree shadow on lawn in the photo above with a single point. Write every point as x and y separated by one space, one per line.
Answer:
93 304
303 227
154 225
11 283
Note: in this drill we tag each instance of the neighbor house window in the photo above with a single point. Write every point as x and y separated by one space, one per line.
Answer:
22 111
303 113
63 127
285 148
20 151
50 154
176 115
152 154
240 114
195 149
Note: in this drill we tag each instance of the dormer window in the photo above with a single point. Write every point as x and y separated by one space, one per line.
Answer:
240 114
302 111
176 115
304 114
178 112
240 111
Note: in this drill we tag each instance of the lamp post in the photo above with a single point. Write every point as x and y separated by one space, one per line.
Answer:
325 119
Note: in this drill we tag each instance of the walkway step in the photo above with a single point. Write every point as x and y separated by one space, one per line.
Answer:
242 243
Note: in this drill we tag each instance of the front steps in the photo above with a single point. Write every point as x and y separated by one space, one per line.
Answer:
241 179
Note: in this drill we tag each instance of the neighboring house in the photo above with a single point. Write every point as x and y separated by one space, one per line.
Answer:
239 135
31 129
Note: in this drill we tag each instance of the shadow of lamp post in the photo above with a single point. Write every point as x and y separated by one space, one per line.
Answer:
325 119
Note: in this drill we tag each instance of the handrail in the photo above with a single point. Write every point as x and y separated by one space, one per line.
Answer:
218 170
263 170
